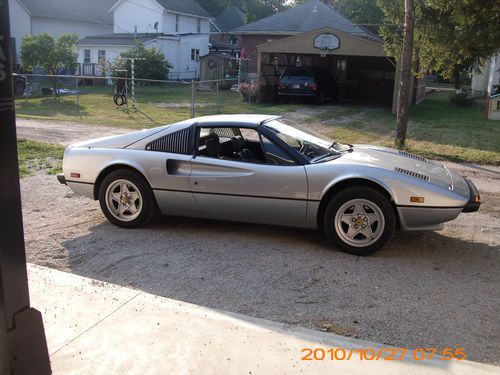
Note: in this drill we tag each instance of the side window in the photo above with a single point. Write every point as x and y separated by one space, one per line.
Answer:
86 56
230 143
179 142
240 144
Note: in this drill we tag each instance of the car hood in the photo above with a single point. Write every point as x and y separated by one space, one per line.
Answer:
407 164
119 141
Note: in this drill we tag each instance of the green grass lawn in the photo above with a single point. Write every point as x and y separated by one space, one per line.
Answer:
36 156
437 128
155 105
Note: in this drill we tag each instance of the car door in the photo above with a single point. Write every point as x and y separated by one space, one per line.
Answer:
247 191
167 160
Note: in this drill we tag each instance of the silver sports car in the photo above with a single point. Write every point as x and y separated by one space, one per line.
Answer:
256 168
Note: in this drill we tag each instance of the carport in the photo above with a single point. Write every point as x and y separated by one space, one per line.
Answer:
363 71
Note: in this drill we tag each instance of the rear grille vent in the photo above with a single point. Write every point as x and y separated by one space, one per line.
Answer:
411 156
177 143
418 175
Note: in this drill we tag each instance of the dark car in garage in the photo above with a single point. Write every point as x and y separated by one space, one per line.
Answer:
303 82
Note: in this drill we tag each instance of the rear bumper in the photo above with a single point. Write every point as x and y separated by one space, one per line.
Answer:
61 178
474 198
298 93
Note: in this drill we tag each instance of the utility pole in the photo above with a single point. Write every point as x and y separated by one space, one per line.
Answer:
23 348
403 102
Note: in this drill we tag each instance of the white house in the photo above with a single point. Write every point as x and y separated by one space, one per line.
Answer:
483 83
178 28
30 17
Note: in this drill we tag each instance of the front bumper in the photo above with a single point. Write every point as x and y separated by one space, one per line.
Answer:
61 178
474 198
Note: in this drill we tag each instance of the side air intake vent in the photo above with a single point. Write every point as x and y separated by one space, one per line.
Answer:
411 156
177 143
412 174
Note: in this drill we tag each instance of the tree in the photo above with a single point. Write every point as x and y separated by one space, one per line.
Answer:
458 35
406 75
151 65
52 55
450 35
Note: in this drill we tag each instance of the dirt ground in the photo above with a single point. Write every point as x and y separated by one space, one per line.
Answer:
424 289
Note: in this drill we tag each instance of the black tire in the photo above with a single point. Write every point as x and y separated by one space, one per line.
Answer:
119 100
361 193
149 208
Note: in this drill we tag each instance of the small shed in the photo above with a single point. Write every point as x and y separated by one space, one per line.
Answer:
493 107
217 66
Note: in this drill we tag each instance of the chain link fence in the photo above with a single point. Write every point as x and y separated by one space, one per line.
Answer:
109 100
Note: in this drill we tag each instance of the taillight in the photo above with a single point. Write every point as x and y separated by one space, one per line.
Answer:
314 86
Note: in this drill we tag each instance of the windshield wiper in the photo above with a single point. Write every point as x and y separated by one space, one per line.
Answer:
333 144
319 158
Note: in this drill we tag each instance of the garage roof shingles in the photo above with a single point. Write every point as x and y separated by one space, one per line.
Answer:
309 16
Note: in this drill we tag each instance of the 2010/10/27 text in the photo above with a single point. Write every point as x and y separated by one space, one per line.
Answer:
384 354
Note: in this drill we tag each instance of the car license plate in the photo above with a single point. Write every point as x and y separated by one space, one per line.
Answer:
296 86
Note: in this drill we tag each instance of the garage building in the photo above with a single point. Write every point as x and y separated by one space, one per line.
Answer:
317 35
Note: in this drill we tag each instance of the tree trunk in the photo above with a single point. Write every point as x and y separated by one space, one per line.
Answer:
406 76
456 78
55 89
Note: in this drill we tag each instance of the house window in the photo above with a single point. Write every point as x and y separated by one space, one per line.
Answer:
195 54
101 56
86 56
176 23
198 25
341 64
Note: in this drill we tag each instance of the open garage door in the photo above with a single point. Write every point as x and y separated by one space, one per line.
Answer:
360 69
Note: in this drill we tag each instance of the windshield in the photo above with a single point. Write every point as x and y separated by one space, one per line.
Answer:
314 149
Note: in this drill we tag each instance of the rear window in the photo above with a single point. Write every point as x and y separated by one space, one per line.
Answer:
298 75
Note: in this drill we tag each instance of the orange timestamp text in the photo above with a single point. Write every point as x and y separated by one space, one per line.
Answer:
383 354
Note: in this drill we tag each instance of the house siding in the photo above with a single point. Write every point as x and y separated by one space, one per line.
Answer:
20 23
187 24
57 27
128 14
250 42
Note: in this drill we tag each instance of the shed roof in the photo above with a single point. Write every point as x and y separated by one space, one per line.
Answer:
309 16
95 11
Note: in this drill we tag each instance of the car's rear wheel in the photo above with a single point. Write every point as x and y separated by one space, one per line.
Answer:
359 220
126 199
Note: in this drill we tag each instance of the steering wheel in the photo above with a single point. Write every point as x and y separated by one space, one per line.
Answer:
305 149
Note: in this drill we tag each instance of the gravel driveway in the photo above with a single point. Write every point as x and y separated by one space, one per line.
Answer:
424 289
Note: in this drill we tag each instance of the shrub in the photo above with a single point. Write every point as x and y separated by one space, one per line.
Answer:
248 91
462 98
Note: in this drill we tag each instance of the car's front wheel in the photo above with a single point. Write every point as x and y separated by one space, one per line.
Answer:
126 199
359 220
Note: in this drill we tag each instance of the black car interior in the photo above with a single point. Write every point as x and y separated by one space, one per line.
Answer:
234 148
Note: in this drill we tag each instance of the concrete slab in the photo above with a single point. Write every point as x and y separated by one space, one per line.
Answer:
94 327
